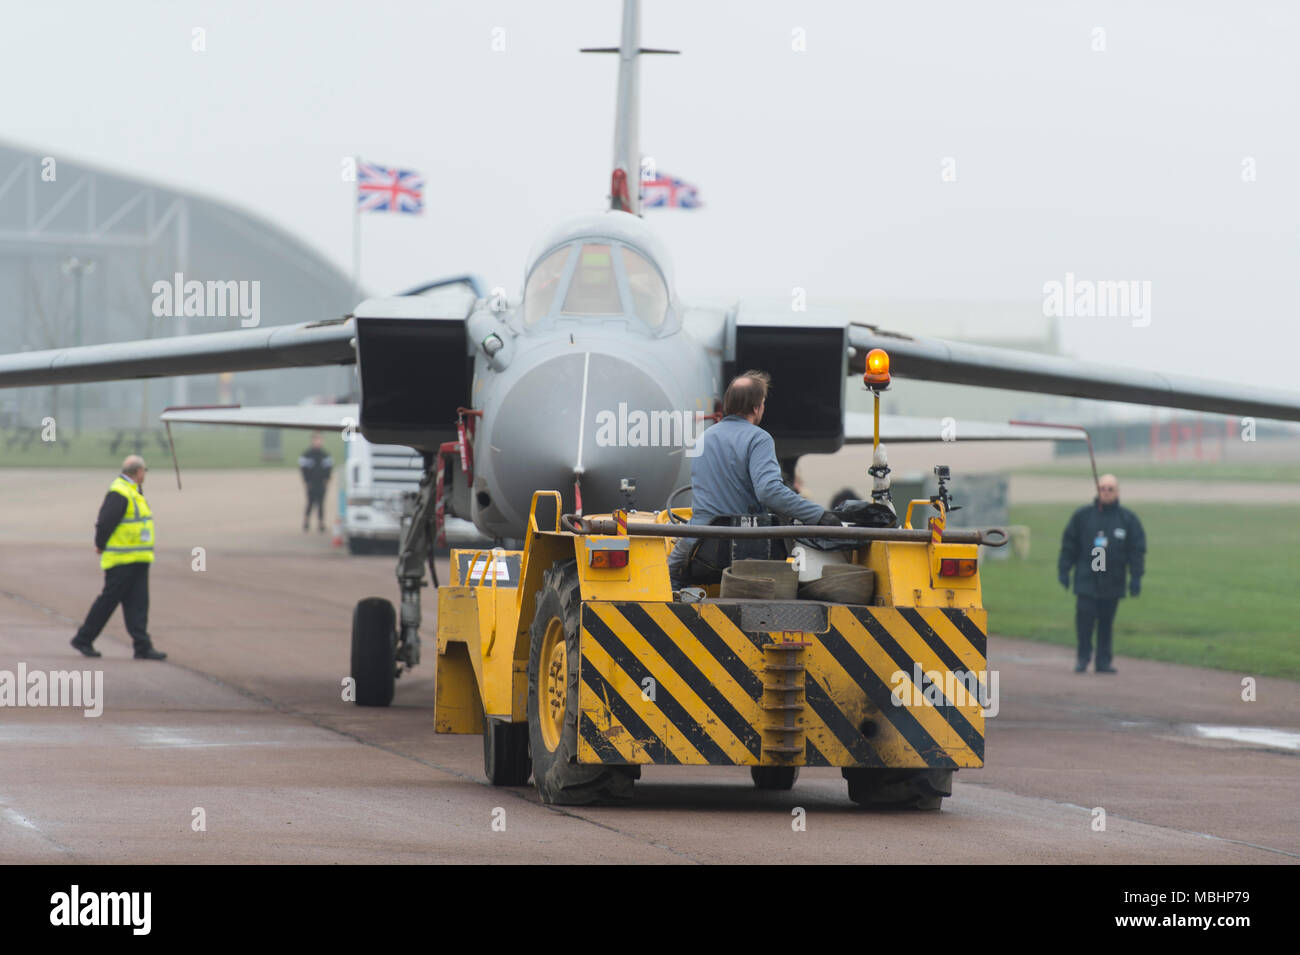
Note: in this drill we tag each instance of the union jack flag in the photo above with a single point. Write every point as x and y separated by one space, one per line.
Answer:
380 189
665 192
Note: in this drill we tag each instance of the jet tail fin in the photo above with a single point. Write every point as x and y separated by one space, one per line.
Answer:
625 182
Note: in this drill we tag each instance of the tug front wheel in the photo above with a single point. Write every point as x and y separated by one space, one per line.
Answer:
374 651
553 700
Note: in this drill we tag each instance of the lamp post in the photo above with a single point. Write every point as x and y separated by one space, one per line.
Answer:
78 269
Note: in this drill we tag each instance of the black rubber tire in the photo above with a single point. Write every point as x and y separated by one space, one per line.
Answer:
358 546
505 753
899 788
774 777
559 778
374 651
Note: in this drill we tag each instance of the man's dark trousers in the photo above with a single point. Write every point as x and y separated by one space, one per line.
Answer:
127 584
315 499
1087 612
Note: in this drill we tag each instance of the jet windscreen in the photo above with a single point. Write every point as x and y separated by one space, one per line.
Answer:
594 289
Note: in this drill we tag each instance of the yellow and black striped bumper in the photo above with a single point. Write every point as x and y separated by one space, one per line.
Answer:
793 683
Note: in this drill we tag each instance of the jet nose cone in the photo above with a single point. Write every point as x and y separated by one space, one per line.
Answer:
595 414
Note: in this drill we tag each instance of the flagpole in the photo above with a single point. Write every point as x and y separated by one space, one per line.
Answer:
356 234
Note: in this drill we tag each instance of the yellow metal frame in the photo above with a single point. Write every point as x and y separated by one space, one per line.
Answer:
483 629
954 591
476 629
907 518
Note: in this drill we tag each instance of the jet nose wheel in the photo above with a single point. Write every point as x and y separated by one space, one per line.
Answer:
374 651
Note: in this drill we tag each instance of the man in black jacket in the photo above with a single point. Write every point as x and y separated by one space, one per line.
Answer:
1101 542
316 465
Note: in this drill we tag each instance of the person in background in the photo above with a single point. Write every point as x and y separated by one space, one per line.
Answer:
1102 543
316 465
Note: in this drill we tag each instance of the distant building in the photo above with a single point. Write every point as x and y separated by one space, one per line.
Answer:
71 233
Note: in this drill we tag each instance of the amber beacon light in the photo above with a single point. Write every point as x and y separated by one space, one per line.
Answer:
877 373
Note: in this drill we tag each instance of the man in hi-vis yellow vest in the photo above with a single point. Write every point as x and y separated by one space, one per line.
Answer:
124 539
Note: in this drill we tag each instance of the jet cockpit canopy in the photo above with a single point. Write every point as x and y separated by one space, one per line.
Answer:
601 266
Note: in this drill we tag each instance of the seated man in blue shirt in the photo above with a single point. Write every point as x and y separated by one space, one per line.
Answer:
736 471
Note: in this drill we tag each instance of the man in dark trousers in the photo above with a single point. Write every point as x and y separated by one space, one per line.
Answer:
124 539
1101 542
316 465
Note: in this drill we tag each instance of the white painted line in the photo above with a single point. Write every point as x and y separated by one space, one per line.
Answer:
582 414
18 819
1252 735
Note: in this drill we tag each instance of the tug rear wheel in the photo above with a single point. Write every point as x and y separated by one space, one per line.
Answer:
899 788
774 777
505 753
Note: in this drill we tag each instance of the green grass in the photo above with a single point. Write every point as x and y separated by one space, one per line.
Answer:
197 446
1220 588
1175 470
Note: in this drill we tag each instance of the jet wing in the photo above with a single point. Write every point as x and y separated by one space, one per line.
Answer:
933 359
331 342
281 346
412 353
902 429
307 417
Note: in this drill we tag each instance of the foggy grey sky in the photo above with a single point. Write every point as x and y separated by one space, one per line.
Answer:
819 169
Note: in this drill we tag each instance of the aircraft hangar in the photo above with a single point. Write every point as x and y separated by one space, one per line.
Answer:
81 252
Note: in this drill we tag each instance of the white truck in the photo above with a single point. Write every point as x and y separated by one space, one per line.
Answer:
375 477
